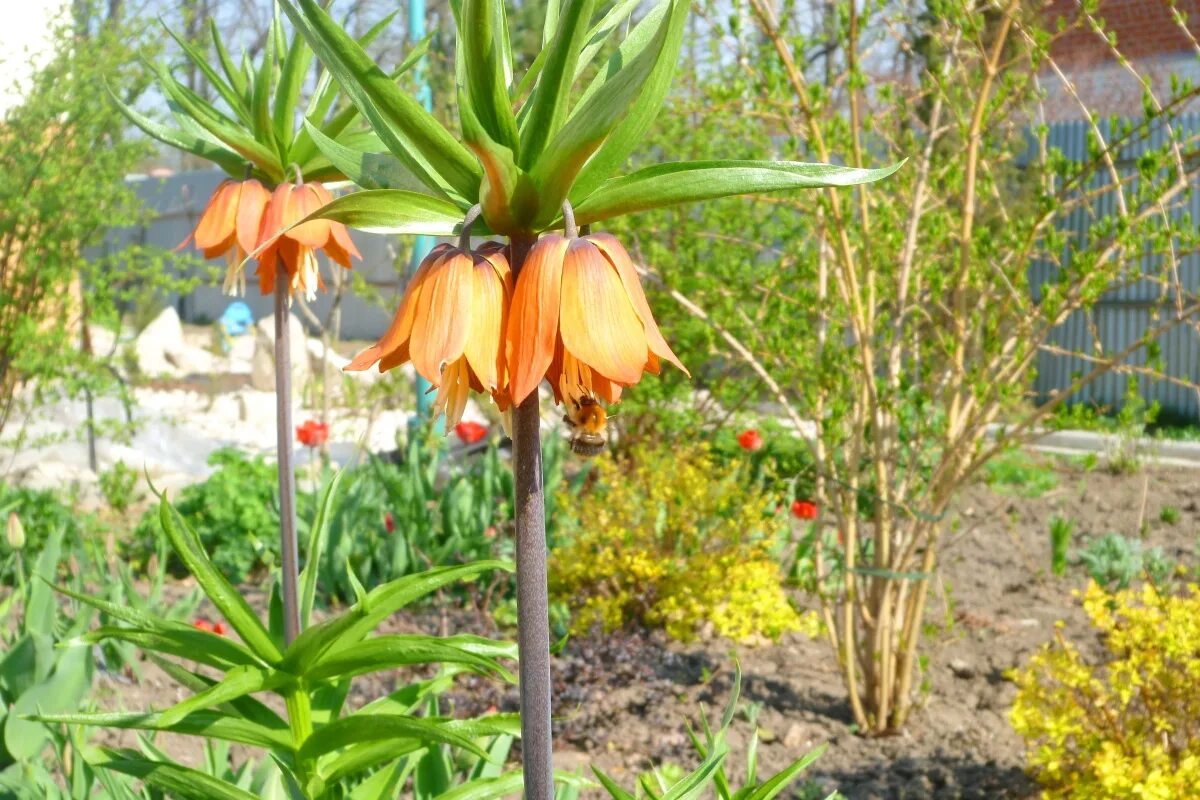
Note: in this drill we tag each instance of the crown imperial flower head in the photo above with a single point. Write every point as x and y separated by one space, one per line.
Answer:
230 225
580 320
451 324
295 248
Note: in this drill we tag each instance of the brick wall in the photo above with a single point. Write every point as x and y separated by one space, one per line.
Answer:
1144 28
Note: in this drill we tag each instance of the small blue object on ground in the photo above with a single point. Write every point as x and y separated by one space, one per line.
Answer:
237 318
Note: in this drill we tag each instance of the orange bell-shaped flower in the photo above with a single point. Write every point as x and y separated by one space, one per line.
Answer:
296 249
451 324
229 226
579 319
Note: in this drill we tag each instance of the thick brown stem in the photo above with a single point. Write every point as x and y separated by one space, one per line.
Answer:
289 552
533 616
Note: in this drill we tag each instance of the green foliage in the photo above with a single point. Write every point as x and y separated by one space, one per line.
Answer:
42 512
1061 530
1019 474
234 512
1113 561
119 486
62 190
322 749
1169 515
672 538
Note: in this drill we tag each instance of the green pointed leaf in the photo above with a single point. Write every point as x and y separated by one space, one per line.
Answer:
408 130
382 784
184 642
228 600
359 728
621 143
358 758
372 168
392 211
506 785
238 682
399 650
483 42
261 94
691 181
612 787
353 625
169 777
549 103
62 691
236 79
593 118
235 101
695 782
782 779
209 724
318 533
287 93
41 610
245 707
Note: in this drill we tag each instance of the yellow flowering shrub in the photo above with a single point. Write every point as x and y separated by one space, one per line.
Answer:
1128 728
670 538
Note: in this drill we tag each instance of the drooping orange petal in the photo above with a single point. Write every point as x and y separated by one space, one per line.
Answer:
395 358
341 247
304 201
216 225
267 263
620 259
273 221
395 338
489 316
441 324
533 316
251 206
599 325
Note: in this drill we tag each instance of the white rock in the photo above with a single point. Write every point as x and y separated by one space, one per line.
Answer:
192 360
162 336
262 366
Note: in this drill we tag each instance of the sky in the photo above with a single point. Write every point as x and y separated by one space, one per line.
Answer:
24 40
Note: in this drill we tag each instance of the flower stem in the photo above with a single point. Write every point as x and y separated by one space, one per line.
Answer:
533 617
289 553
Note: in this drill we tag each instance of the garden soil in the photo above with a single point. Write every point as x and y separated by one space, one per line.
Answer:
623 700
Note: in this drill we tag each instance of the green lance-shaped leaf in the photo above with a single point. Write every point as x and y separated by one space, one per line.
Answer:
692 181
169 777
392 211
63 690
388 652
353 625
612 787
228 600
318 533
358 758
782 779
226 159
209 724
590 123
245 707
370 167
41 610
359 728
510 783
287 93
383 783
483 37
236 78
238 682
195 645
235 101
547 106
627 136
408 130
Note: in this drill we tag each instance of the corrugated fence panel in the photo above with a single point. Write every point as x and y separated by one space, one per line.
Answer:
1132 306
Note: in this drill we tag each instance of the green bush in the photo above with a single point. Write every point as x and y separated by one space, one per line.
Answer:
1113 561
235 512
42 512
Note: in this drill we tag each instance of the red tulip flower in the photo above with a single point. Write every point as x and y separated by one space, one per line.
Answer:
312 433
220 629
203 625
470 432
751 440
389 523
803 509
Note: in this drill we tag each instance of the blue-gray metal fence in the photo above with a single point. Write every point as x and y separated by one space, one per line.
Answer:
1125 313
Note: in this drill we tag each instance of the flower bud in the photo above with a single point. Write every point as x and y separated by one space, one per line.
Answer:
15 532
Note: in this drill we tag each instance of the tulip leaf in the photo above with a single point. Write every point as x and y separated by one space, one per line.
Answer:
690 181
392 211
318 533
389 652
549 102
170 777
483 43
228 600
359 728
210 724
408 130
591 122
617 148
783 778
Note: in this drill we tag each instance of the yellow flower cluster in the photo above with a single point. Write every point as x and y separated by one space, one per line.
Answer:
1129 728
670 538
